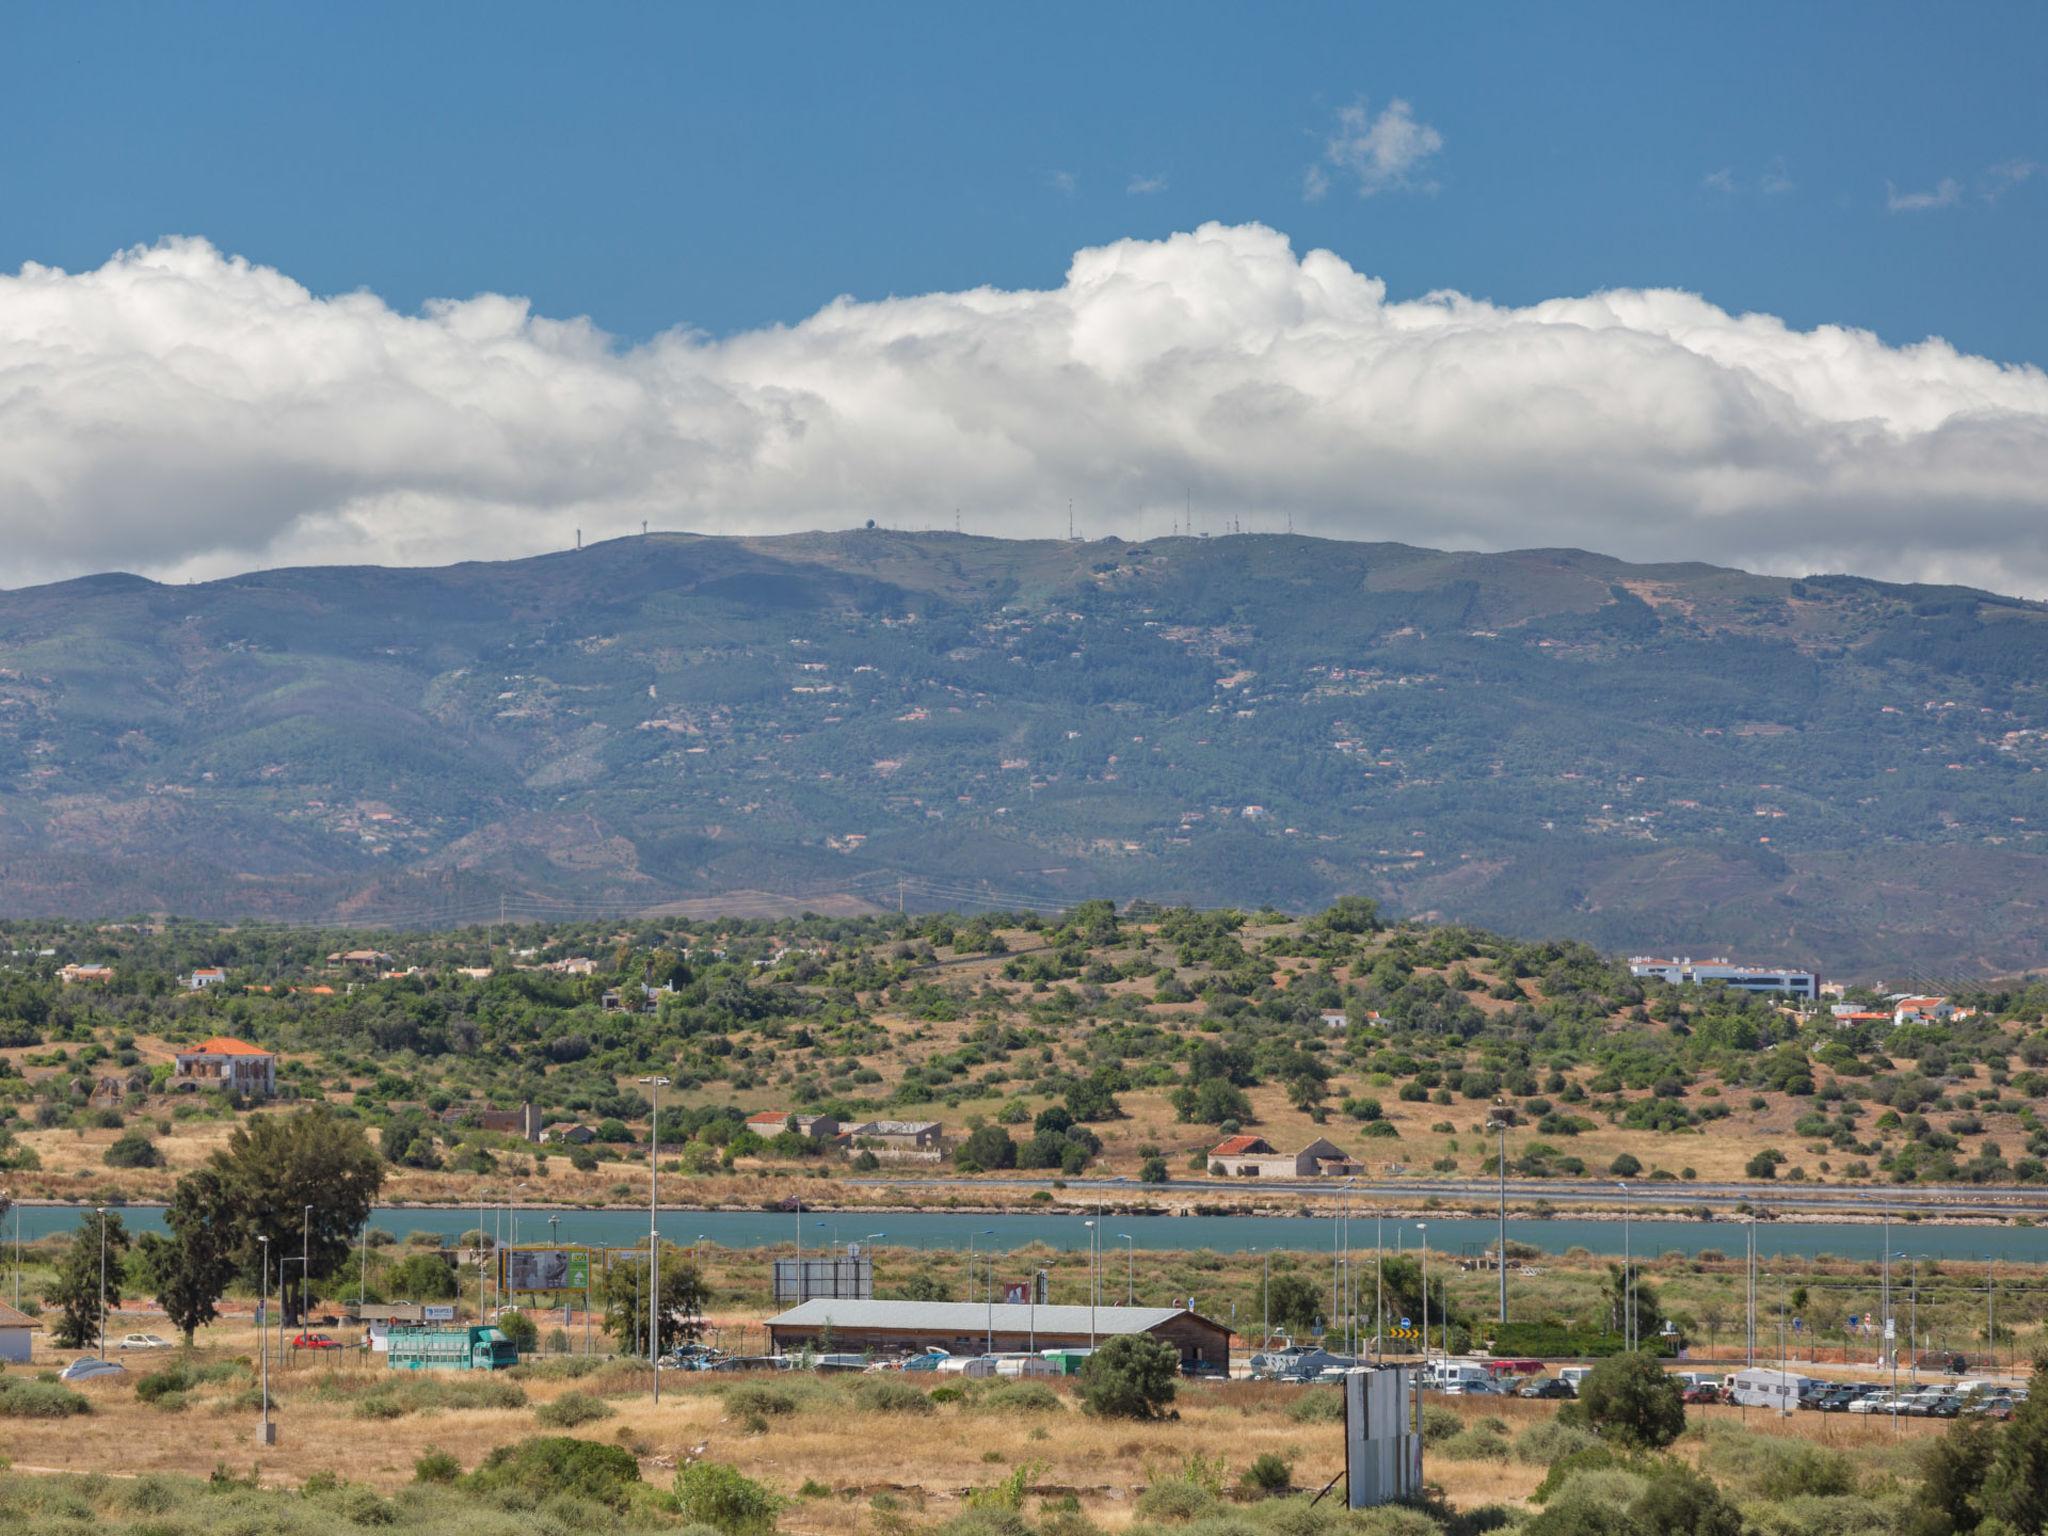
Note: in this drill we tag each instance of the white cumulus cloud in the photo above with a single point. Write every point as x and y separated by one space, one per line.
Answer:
1375 153
181 412
1946 193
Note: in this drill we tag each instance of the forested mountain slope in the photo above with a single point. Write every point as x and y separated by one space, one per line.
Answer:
1835 771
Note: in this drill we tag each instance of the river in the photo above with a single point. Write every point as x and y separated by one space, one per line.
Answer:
1223 1234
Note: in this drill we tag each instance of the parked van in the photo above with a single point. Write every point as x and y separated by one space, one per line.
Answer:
1574 1376
1758 1388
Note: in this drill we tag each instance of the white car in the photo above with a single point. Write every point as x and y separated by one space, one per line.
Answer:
86 1368
1879 1402
144 1341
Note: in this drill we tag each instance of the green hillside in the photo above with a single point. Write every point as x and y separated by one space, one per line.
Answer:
1834 771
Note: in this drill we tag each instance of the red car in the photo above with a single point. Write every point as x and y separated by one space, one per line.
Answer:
314 1341
1702 1394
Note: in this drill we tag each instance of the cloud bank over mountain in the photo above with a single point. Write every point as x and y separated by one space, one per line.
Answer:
179 412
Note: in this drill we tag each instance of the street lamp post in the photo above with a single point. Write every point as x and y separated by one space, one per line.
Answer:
654 1232
1422 1246
264 1433
1130 1270
1090 1225
103 1280
1500 1245
1628 1276
989 1281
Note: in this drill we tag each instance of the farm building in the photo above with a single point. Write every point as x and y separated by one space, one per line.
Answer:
15 1328
965 1328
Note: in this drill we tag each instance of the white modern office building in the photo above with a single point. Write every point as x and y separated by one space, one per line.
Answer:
1747 978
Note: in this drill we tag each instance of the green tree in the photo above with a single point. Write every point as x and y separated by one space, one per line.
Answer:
986 1149
420 1277
681 1311
1679 1502
1631 1284
307 1182
190 1269
1634 1400
1952 1473
76 1291
1133 1376
2016 1482
1293 1304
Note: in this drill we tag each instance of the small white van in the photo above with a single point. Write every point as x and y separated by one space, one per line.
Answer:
1574 1376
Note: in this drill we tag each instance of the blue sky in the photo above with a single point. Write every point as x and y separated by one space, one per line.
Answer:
284 284
725 167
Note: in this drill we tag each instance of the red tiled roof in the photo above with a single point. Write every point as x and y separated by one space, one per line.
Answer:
223 1045
9 1318
769 1117
1234 1146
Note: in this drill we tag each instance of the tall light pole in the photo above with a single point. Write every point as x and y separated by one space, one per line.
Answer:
103 1280
989 1281
482 1237
263 1338
1500 1245
17 1249
1130 1270
1379 1287
1422 1246
1090 1225
1749 1292
654 1233
305 1261
1628 1277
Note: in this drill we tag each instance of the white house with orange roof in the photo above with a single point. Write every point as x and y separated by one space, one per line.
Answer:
227 1063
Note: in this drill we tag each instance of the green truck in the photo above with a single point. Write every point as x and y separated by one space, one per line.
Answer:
451 1349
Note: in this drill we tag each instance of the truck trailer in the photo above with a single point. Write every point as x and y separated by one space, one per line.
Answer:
451 1349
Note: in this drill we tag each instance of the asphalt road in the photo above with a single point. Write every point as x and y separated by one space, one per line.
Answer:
1946 1199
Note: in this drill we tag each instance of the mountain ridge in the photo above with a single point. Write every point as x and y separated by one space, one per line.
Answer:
1829 769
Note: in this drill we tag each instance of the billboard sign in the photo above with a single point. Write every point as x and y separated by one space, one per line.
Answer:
437 1313
547 1269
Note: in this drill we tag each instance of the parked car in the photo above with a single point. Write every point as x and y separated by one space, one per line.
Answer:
86 1368
144 1341
314 1341
1701 1393
1549 1387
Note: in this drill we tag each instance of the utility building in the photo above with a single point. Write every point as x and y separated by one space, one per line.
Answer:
971 1327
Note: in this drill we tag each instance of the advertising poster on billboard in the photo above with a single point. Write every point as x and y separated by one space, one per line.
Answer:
547 1269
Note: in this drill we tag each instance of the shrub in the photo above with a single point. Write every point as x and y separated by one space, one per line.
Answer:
1440 1424
171 1381
572 1409
886 1394
1778 1468
435 1466
1547 1442
1482 1442
555 1465
753 1405
1268 1474
722 1497
133 1149
1132 1376
1018 1397
1317 1405
1175 1498
521 1330
39 1400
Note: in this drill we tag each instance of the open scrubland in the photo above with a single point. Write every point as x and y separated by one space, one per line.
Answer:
1100 1041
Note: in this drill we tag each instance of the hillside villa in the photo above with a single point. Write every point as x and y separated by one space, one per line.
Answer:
225 1062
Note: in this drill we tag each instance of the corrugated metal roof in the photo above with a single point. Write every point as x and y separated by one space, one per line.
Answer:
966 1317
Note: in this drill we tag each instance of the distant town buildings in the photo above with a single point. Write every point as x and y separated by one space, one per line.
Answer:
85 975
203 977
1744 978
